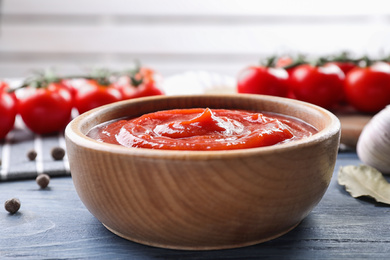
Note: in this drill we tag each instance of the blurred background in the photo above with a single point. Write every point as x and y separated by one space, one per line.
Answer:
173 36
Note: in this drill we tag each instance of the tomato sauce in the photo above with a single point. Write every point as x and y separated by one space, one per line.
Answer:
202 129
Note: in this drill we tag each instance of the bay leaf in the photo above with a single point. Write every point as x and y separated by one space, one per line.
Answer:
364 180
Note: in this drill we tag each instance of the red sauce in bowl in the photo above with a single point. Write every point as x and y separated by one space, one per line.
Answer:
202 129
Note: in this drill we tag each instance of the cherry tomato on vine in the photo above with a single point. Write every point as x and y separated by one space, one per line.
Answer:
143 90
345 66
263 80
3 85
8 110
290 64
368 89
318 85
142 84
284 61
70 85
45 109
91 94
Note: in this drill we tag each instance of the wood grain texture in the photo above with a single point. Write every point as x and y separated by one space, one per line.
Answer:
54 224
177 7
175 36
203 199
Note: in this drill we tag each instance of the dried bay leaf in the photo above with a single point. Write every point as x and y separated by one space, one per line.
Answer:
364 180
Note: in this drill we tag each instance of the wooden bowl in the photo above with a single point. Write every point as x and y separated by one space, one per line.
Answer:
202 200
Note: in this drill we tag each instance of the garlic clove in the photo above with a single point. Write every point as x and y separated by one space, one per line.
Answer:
373 146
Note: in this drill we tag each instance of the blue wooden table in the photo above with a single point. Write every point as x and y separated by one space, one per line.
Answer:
54 224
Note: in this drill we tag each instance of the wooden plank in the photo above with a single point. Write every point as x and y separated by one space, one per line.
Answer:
44 33
53 223
19 66
203 7
351 127
224 39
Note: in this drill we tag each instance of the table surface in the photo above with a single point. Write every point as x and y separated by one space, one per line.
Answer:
53 223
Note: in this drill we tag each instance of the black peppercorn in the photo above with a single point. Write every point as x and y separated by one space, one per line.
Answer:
43 180
12 205
32 154
57 153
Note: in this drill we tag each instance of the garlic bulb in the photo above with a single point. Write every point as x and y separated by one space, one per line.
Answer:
373 147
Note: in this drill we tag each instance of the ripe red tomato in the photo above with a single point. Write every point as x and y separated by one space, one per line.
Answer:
283 62
368 89
7 112
90 94
148 89
289 64
45 109
345 66
142 84
3 85
322 86
69 84
143 90
263 80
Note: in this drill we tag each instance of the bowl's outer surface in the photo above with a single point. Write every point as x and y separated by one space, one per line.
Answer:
202 200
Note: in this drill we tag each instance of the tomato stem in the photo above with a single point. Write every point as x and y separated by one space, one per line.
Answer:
132 74
268 62
103 76
320 62
343 57
385 59
367 61
300 60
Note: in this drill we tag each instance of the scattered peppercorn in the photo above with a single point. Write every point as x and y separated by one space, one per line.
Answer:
32 154
12 205
43 180
57 153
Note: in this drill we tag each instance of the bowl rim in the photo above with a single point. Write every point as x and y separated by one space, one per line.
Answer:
73 132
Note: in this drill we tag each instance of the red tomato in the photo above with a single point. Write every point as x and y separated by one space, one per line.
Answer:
143 84
263 80
148 89
3 85
46 109
345 66
7 112
284 62
289 64
144 90
90 94
146 74
321 86
68 83
368 89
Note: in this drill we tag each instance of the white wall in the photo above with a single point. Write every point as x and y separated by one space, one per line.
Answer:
173 36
